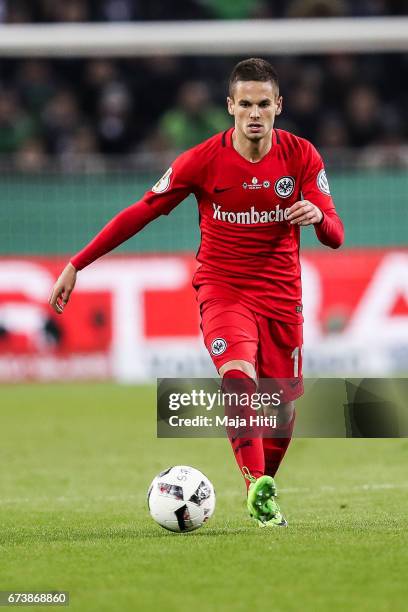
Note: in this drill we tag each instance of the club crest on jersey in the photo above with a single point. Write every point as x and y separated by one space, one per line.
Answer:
164 183
218 346
285 186
322 182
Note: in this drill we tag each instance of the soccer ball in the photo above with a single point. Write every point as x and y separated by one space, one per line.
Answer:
181 498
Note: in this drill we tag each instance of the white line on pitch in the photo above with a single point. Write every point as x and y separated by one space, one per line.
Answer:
124 498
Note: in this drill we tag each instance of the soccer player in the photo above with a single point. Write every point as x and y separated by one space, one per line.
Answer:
256 186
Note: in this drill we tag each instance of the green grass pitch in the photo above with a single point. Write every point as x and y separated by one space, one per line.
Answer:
76 461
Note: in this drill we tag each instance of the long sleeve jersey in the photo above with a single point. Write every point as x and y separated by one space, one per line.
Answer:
249 251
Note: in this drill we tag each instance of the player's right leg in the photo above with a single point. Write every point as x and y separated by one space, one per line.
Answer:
261 501
248 448
231 336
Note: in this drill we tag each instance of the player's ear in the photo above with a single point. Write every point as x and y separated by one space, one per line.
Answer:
279 105
230 105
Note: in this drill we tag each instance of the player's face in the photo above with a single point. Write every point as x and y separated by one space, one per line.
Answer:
254 105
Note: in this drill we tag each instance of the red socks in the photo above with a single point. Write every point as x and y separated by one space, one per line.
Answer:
249 452
260 455
275 448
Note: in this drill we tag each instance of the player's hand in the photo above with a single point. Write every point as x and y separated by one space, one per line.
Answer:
62 289
304 212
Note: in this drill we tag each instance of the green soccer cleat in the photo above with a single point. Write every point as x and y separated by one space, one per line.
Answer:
277 521
261 503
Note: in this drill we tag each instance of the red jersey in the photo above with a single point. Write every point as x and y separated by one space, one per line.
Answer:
249 251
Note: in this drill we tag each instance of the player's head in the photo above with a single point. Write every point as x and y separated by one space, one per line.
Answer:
254 98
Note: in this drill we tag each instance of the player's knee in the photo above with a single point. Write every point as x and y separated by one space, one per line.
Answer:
284 412
238 364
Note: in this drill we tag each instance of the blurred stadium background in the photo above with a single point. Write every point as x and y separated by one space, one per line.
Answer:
85 133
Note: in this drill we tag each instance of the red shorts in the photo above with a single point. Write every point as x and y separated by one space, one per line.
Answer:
274 348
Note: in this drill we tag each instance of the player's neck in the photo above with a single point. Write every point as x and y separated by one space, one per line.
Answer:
252 151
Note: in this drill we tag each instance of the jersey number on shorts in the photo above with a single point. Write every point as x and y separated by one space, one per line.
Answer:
295 356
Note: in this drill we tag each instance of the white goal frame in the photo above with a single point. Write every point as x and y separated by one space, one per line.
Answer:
272 37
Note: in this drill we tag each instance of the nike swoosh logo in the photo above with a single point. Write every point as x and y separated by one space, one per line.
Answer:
221 189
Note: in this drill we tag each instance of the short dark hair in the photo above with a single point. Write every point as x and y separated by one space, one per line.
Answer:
253 69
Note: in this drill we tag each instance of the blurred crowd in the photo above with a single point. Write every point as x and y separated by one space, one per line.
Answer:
83 107
66 108
46 11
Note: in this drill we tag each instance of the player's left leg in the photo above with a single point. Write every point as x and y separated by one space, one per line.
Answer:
277 444
280 367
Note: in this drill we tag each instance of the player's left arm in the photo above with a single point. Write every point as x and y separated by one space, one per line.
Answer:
317 206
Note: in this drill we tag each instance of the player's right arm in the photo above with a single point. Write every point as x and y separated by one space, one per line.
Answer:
175 185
